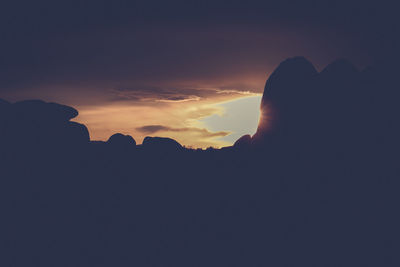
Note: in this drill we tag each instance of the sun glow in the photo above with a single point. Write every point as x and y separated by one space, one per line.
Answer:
198 124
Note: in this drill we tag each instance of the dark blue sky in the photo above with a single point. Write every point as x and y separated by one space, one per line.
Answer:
70 42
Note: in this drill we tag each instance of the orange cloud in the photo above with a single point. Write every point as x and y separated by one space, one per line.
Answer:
151 129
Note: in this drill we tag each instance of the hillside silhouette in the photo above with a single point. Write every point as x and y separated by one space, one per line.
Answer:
317 185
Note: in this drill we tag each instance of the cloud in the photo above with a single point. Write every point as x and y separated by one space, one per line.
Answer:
234 91
174 93
151 129
180 99
156 94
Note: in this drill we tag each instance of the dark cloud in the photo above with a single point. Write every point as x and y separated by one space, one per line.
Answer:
113 44
180 99
156 94
151 129
176 94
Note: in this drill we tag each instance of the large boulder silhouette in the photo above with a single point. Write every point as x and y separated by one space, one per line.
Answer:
243 142
42 111
338 112
287 99
75 133
35 123
161 144
339 70
338 83
121 140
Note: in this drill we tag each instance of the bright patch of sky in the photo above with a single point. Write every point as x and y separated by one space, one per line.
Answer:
240 117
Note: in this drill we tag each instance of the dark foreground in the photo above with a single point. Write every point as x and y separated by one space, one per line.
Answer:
320 188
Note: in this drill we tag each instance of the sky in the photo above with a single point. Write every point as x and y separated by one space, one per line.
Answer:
190 70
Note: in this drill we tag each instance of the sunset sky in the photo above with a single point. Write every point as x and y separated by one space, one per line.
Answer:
191 71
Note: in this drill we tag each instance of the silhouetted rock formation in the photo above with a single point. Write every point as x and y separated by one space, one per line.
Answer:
40 110
287 97
41 124
301 107
120 140
242 142
161 144
339 84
